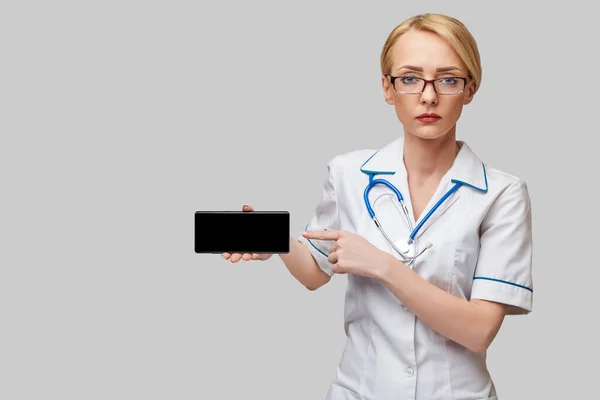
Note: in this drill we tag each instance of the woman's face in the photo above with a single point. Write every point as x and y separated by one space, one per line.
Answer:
422 54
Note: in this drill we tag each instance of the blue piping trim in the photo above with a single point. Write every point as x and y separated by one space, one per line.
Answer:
501 281
366 171
311 243
475 187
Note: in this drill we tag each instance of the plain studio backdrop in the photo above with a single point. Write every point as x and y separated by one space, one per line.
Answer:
120 119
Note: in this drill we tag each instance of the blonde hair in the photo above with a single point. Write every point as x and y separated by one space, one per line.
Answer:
450 29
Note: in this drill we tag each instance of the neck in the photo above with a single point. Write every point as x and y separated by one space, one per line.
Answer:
429 158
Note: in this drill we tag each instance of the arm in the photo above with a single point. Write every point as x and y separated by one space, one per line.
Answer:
307 260
302 265
504 258
473 324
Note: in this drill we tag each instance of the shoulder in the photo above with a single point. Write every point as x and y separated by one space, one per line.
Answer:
508 195
501 183
350 161
489 181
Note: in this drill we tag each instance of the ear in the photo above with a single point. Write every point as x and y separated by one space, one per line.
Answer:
388 90
470 93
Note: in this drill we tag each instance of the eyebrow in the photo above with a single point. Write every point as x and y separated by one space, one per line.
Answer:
442 69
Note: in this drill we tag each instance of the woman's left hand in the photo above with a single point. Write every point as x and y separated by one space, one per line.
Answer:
352 254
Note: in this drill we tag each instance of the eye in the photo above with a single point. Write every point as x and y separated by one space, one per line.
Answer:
408 79
450 80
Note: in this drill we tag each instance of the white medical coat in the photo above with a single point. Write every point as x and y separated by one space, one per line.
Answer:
482 249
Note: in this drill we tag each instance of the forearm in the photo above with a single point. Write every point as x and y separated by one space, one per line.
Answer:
467 323
301 264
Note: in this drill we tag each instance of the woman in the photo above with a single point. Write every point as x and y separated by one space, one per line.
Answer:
419 328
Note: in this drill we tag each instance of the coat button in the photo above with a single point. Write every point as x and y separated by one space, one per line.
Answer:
409 372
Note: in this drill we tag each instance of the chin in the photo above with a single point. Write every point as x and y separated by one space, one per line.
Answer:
428 132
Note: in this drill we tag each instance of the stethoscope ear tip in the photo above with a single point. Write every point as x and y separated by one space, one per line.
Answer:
429 245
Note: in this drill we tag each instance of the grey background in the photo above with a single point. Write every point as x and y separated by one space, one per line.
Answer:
120 119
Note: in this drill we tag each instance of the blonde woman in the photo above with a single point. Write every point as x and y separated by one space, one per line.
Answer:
436 244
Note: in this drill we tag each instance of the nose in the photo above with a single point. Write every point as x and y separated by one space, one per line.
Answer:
429 96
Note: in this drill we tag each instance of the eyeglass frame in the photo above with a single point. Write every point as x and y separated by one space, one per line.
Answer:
465 80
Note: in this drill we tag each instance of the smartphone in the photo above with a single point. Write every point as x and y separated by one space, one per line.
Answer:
242 232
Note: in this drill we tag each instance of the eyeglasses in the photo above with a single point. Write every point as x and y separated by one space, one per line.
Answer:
408 84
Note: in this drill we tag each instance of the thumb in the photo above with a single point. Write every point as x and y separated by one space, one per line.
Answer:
246 207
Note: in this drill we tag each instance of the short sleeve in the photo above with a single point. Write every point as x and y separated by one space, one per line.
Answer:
504 266
325 217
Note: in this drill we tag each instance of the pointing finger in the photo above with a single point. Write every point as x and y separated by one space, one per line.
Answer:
322 235
333 248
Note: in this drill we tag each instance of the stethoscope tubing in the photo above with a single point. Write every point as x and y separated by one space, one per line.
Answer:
372 183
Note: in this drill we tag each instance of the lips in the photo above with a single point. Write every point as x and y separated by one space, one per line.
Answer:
429 118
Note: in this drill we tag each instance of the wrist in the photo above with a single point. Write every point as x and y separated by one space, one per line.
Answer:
387 265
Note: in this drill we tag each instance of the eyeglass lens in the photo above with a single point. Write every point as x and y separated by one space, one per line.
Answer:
412 84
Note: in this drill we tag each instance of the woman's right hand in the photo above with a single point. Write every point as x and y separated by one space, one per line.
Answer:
235 257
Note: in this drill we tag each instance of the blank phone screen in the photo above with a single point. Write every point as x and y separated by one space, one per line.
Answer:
242 232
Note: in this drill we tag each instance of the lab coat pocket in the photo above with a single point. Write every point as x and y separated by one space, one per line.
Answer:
337 392
465 262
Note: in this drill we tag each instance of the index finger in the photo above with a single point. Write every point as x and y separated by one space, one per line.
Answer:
322 235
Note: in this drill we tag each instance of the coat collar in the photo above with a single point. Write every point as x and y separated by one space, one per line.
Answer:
466 169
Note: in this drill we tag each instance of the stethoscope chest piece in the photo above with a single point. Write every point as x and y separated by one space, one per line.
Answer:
403 246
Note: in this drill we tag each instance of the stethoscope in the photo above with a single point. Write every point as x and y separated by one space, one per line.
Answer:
411 246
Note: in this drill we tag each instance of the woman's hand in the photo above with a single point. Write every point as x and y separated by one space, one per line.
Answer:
353 254
235 257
